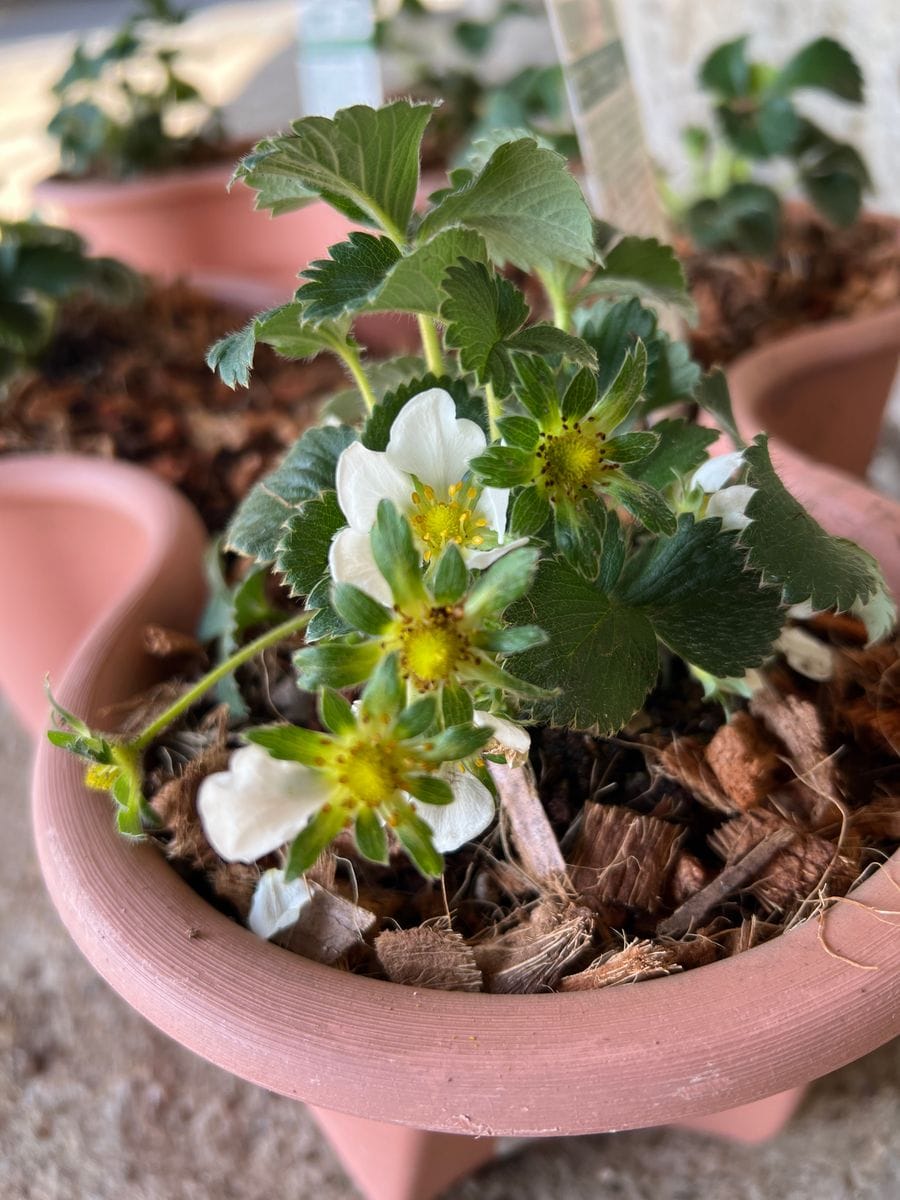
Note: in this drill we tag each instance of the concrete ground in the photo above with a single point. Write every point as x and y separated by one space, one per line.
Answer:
95 1104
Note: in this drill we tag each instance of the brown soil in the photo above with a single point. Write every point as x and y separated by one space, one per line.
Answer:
818 273
132 383
680 841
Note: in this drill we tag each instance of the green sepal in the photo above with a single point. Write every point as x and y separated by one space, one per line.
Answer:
415 837
513 640
335 712
292 743
578 534
504 581
370 836
317 836
360 610
624 392
504 466
450 577
535 386
521 432
643 502
630 448
385 693
580 396
396 555
335 664
530 512
456 705
417 718
429 789
455 743
488 672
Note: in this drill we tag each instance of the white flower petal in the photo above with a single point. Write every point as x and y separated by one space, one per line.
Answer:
362 479
258 804
350 560
802 611
729 504
430 442
469 813
806 654
276 904
716 472
483 558
493 503
509 739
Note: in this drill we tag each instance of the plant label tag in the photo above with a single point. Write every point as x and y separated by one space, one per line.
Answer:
618 170
337 62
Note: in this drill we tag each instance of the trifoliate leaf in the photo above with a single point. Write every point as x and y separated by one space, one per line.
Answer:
701 600
306 536
363 161
790 548
306 471
681 449
526 206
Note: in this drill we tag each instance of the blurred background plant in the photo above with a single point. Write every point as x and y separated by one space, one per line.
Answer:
732 205
124 108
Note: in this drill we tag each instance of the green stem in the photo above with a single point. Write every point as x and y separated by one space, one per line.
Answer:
211 678
494 410
559 300
353 364
431 344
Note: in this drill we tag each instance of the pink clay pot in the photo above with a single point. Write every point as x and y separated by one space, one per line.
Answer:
735 1039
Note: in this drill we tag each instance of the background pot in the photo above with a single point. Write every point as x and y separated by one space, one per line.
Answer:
672 1049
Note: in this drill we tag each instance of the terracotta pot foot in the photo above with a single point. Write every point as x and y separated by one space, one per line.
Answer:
749 1123
393 1162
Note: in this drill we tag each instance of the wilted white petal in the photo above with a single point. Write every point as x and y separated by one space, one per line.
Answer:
430 442
276 904
362 479
806 654
878 614
802 611
483 558
258 804
729 504
716 472
509 739
350 560
469 813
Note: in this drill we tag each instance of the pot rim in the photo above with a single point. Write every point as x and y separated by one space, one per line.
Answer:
176 183
684 1045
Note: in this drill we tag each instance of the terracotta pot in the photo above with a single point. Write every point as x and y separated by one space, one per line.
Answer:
747 1031
822 391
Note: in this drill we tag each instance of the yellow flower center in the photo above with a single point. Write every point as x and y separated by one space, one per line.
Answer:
570 460
432 648
439 520
369 772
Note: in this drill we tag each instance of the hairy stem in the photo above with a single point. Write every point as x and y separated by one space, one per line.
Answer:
211 678
353 363
559 300
431 344
494 411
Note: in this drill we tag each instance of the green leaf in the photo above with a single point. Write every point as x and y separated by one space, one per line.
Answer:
450 577
370 835
306 471
745 219
363 161
285 329
292 743
335 664
601 656
791 549
481 311
530 512
349 279
318 835
682 448
713 395
646 268
415 837
526 206
429 789
396 555
414 284
360 610
643 502
504 581
727 71
826 65
837 196
335 712
701 600
305 540
377 432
